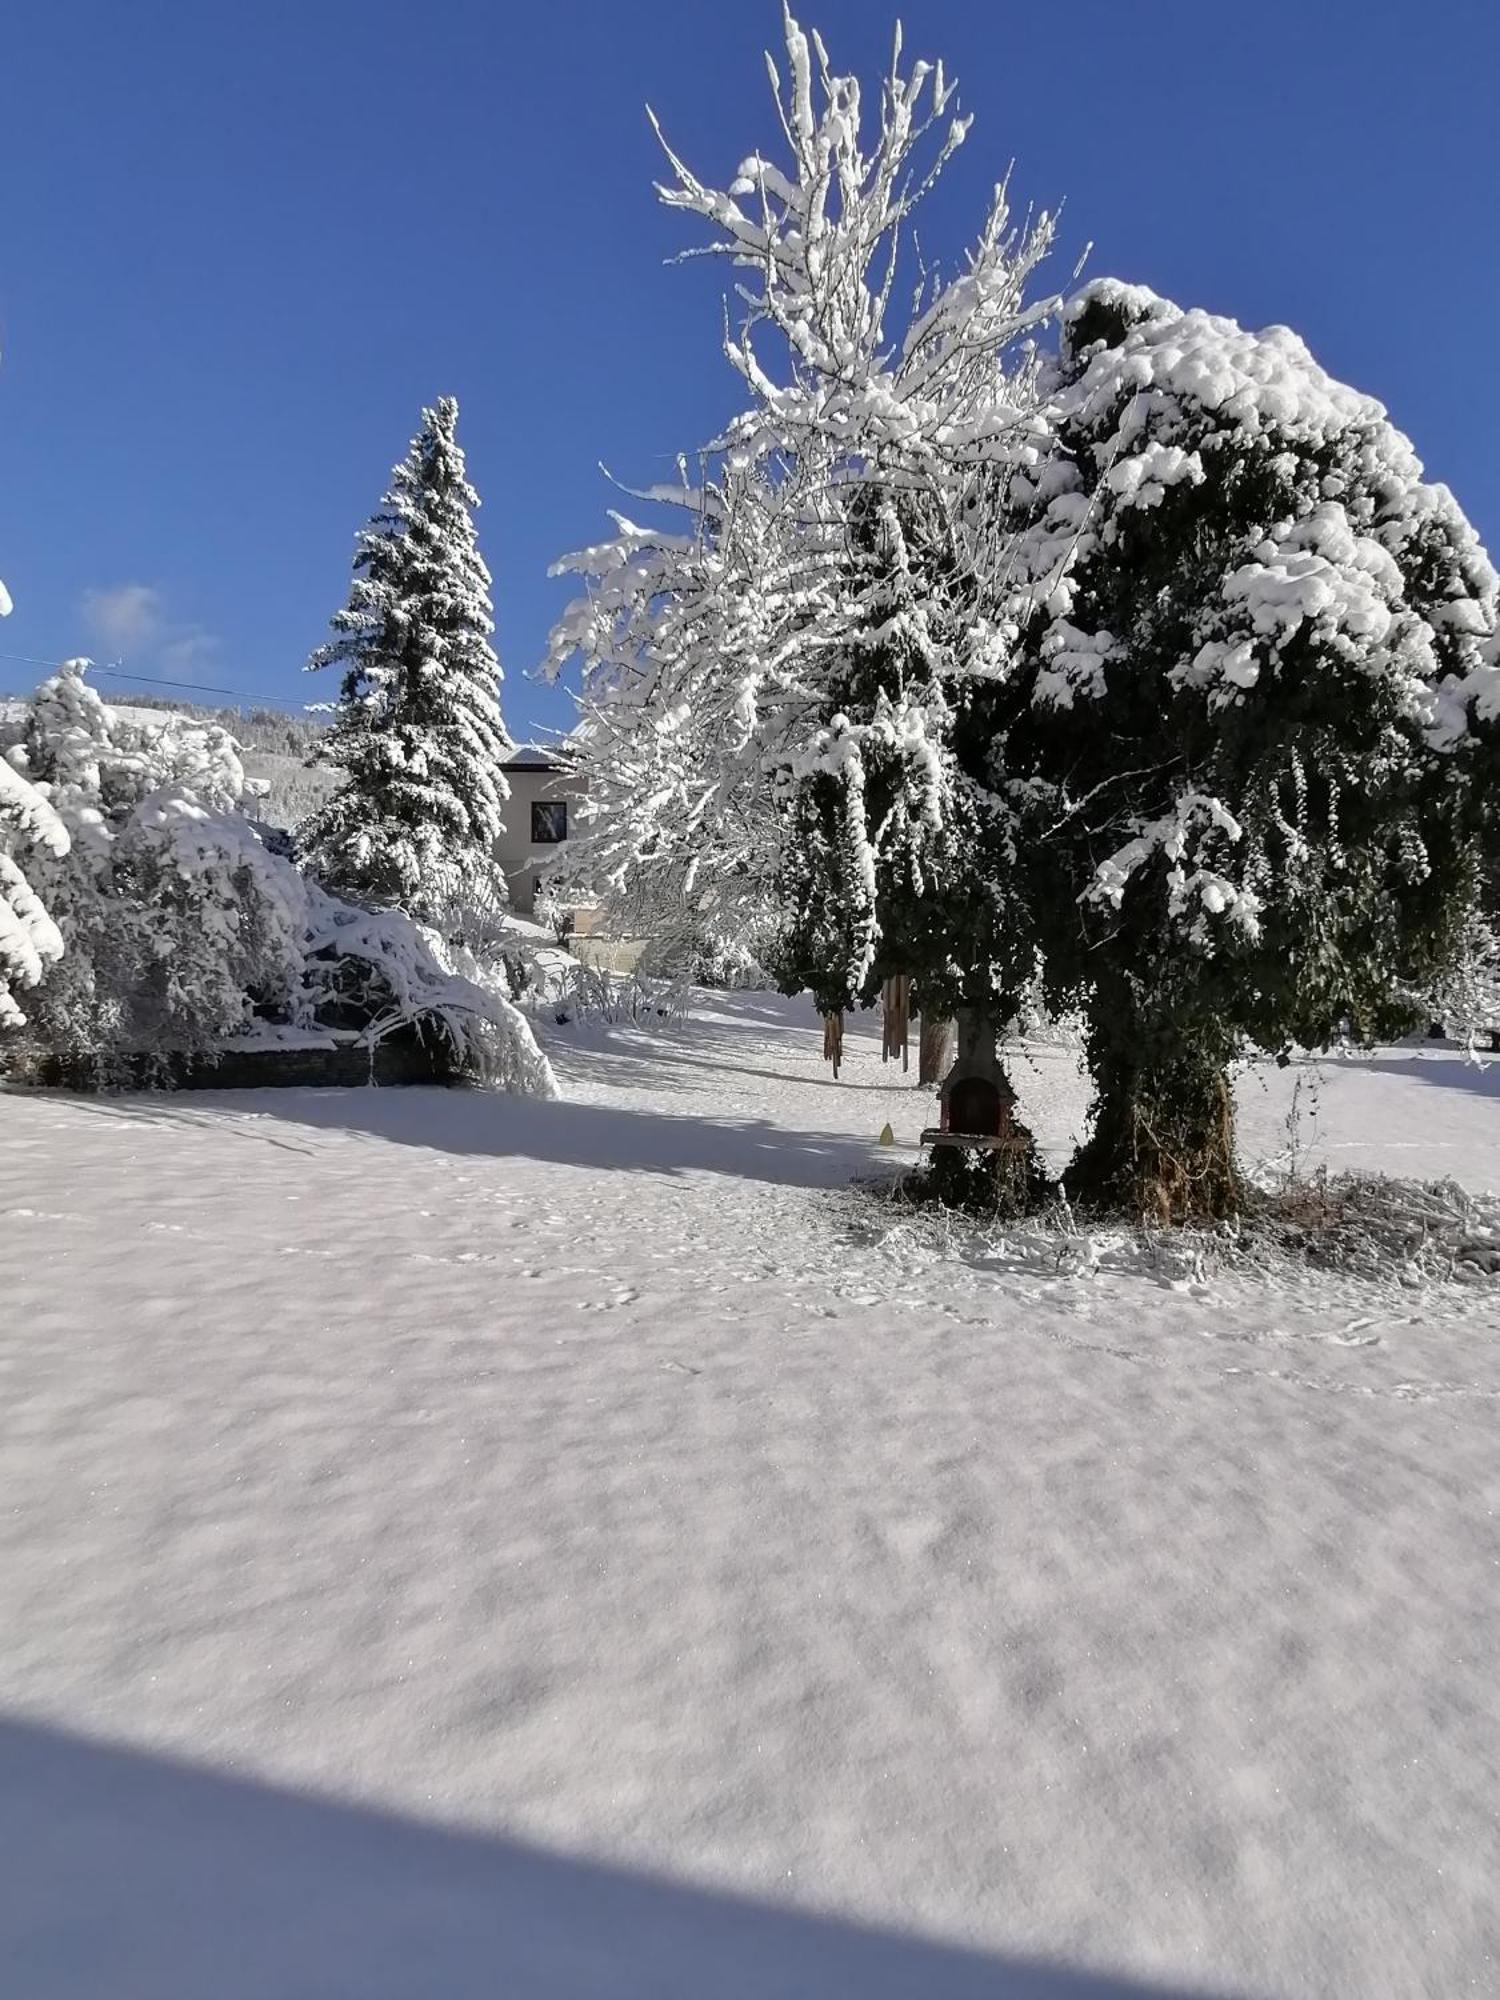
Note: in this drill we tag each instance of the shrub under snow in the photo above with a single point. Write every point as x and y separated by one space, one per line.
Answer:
182 930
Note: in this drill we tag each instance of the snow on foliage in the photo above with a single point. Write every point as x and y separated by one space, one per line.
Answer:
1159 661
819 245
29 938
417 732
712 651
184 931
170 920
1311 614
1251 724
377 968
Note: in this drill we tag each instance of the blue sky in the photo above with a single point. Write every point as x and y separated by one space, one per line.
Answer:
240 246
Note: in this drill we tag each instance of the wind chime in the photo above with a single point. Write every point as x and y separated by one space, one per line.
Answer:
895 1002
833 1041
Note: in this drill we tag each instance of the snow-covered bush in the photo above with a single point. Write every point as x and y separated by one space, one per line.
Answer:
175 918
375 973
1466 997
594 996
184 929
30 941
555 913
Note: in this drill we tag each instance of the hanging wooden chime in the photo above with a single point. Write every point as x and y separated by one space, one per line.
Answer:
833 1041
895 1000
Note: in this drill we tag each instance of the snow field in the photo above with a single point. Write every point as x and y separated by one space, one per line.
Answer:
572 1474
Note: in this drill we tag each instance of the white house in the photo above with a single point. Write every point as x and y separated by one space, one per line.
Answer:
547 789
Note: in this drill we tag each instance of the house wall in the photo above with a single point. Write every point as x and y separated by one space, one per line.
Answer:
523 861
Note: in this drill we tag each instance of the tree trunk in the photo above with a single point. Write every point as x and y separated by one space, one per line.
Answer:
1161 1146
934 1051
978 1043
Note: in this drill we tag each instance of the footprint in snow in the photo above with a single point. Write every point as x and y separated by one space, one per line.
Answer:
1352 1335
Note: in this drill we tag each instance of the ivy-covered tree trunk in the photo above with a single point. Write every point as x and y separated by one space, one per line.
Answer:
1161 1143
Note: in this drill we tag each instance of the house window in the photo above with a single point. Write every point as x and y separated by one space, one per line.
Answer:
549 822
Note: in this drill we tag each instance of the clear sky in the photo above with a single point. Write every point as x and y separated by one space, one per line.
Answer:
241 245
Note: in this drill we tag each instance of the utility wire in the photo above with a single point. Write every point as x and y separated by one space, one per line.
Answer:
152 680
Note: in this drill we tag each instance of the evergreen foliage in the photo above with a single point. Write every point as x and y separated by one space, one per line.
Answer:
1257 652
897 850
417 732
176 920
30 941
1160 666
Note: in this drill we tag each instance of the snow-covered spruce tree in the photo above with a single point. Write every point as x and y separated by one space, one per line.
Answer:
1258 654
417 732
763 719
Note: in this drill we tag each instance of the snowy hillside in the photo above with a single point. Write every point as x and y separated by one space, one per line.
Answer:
275 747
471 1545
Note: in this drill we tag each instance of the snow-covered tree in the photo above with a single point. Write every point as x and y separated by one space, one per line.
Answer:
898 846
417 732
1162 661
752 699
175 918
29 938
1251 721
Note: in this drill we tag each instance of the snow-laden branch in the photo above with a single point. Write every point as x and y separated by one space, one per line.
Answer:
1194 887
711 647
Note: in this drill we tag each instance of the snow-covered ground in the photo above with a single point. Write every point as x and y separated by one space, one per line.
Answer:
453 1545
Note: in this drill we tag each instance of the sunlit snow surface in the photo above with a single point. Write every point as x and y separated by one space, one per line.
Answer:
460 1545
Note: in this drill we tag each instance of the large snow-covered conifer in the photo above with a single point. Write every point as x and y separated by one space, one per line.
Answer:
1251 719
417 733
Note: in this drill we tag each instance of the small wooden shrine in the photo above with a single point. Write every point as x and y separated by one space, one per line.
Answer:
976 1105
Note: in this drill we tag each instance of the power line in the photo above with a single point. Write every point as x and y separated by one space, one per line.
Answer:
151 680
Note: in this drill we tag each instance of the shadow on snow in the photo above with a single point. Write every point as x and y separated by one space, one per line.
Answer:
139 1878
608 1138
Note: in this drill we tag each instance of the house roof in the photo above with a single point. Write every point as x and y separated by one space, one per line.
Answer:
538 757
